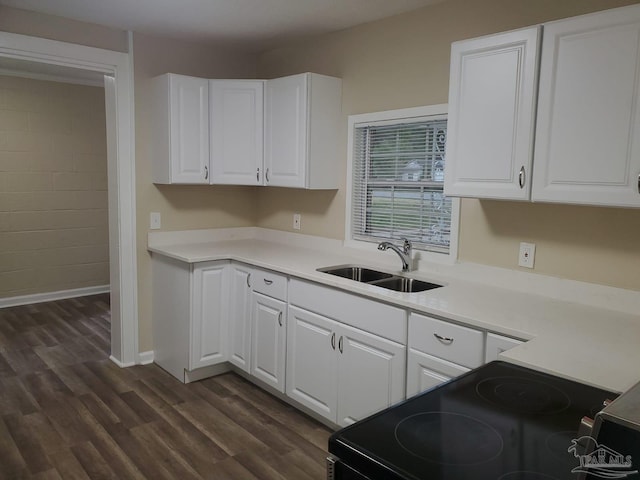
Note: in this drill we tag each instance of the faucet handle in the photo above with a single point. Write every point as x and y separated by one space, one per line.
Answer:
406 245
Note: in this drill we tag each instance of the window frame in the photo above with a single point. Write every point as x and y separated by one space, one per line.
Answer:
389 117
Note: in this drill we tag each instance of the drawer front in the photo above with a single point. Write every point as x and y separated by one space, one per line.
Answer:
369 315
269 283
461 345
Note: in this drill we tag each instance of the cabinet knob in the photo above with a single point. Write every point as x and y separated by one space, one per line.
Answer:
258 174
249 280
206 172
445 340
340 344
266 175
267 281
521 177
280 318
333 340
639 183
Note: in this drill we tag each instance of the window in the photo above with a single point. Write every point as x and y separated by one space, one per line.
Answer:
397 177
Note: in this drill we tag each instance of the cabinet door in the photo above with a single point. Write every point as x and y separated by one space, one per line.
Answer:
371 374
189 129
425 372
236 119
312 361
286 131
240 317
209 321
268 339
496 344
492 98
588 130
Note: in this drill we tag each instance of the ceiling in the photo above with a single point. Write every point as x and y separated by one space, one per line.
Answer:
251 24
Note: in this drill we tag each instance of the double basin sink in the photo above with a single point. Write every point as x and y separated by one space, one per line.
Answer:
396 283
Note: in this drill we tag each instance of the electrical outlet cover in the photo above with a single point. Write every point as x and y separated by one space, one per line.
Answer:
527 254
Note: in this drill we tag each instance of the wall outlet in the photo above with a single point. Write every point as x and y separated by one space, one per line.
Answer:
527 254
155 221
296 221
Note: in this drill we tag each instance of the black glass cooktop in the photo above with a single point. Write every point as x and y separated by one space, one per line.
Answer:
498 422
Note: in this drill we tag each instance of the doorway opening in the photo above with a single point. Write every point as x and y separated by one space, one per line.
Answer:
116 70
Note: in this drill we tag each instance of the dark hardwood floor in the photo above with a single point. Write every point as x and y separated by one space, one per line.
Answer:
66 411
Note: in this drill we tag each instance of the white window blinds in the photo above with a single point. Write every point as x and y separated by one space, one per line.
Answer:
398 174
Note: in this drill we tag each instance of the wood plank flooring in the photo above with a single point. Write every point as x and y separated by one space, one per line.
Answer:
68 412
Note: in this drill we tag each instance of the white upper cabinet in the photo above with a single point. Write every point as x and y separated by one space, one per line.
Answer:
236 120
587 121
492 95
302 125
587 146
227 132
180 123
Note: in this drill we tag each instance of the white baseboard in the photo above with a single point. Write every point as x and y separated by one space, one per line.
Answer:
145 358
206 372
51 296
119 363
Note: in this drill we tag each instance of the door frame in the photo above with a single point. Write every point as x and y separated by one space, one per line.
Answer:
121 171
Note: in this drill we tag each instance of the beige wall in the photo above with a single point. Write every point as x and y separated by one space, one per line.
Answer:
53 187
403 61
398 62
181 207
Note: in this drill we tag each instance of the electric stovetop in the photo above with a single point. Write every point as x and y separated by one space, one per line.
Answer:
499 421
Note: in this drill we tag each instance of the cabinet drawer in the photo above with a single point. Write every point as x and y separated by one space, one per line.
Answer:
269 283
461 345
374 317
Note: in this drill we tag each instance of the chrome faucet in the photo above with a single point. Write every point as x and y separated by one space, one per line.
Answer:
403 252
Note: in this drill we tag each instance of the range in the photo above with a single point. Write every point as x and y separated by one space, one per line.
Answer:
500 421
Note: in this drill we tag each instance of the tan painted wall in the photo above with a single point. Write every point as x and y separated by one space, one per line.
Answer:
181 207
403 61
53 187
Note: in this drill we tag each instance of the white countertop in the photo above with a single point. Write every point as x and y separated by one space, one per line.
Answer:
597 346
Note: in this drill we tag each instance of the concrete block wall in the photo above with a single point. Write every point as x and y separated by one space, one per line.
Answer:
53 187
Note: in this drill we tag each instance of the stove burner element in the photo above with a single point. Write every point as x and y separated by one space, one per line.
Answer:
523 395
526 476
469 441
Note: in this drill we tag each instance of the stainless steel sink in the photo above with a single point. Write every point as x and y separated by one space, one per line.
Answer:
379 279
404 284
354 272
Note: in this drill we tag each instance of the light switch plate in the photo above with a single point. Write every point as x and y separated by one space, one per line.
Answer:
296 221
155 221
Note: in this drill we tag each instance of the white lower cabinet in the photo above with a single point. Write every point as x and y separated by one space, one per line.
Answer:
371 372
209 328
341 372
268 340
426 371
189 314
340 355
440 351
239 316
312 361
